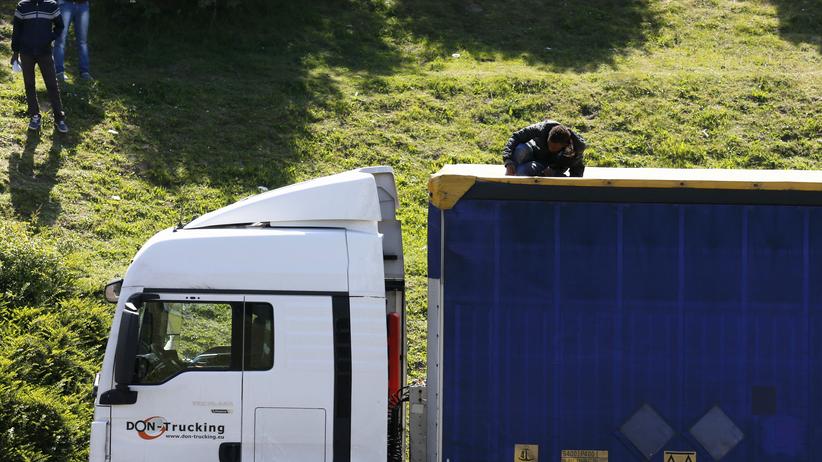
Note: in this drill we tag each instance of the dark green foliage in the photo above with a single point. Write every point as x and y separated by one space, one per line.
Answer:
31 273
36 426
50 348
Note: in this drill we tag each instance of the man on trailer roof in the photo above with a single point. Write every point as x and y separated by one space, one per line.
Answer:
547 148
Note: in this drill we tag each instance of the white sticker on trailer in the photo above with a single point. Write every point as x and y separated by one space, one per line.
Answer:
583 455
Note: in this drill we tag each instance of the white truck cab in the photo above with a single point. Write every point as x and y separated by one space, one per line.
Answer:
258 332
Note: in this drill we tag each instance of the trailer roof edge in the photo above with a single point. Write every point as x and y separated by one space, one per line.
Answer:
445 190
452 182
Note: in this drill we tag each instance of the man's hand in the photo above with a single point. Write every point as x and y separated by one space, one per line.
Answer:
510 170
14 57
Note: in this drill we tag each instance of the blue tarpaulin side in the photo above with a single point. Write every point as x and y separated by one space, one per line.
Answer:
561 320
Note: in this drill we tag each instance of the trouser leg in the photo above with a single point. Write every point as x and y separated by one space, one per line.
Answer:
27 62
81 21
60 42
46 63
523 156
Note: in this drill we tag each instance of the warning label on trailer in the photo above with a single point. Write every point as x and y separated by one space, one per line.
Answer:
584 455
526 453
679 456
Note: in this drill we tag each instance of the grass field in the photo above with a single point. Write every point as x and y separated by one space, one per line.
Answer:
189 114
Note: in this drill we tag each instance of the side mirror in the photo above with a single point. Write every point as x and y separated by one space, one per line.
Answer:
113 290
126 346
124 358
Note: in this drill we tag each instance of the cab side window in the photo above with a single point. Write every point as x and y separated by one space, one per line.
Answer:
259 337
179 336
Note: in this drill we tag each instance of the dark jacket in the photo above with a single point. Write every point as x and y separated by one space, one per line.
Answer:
539 134
36 24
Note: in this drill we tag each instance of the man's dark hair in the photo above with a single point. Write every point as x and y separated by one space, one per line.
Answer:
559 134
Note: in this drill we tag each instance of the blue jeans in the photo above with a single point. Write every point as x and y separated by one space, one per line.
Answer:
523 157
78 13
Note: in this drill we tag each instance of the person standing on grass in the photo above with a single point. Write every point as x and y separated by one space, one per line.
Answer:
76 11
36 24
547 148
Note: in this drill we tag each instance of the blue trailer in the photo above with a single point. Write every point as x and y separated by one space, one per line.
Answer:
631 315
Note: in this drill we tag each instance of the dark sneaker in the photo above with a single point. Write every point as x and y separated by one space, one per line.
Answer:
61 77
86 76
34 124
61 126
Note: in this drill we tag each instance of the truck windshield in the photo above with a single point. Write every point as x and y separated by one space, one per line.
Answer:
179 336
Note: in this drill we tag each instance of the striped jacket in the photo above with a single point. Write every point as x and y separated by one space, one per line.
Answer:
36 24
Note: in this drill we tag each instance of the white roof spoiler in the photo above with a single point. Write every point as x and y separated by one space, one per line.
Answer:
351 196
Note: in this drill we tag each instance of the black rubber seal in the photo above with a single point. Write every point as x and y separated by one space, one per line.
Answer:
341 314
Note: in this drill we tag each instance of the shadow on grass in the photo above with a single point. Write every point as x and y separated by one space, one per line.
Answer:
31 184
565 34
231 105
242 101
800 21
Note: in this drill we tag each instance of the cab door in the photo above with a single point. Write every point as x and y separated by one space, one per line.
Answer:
288 391
188 380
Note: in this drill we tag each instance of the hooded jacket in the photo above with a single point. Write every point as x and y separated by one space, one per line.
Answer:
537 137
37 23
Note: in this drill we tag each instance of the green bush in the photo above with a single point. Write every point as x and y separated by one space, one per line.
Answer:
60 348
31 271
51 345
36 425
